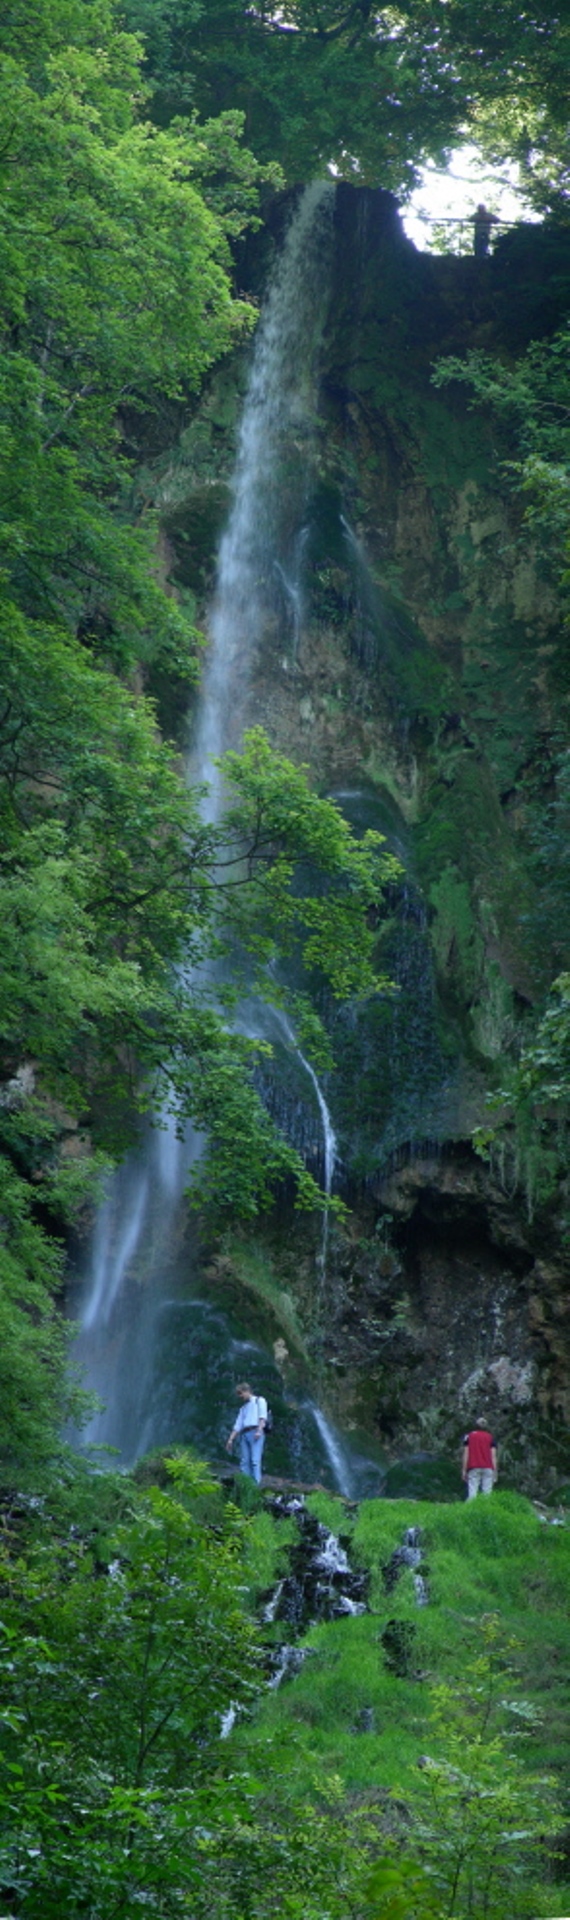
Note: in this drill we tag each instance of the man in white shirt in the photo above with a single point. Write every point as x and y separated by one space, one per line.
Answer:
249 1428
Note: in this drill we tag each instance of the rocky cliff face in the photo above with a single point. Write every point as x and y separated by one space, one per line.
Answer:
415 658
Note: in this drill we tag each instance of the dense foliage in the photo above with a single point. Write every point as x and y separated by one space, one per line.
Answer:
124 1642
115 290
371 89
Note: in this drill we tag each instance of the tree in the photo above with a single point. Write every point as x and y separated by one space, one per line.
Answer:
479 1824
119 1654
115 293
513 60
485 1818
124 1640
35 1394
370 89
362 88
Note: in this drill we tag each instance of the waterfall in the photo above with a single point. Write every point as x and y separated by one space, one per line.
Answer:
141 1221
329 1136
258 548
329 1150
335 1454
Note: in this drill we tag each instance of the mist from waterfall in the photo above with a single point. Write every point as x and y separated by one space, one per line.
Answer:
142 1220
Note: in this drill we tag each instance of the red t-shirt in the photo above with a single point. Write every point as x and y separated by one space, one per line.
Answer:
479 1444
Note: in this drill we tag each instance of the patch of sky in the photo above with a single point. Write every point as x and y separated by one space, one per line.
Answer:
438 216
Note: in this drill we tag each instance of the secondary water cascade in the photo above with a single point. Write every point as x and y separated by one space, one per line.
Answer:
272 1024
320 1583
136 1325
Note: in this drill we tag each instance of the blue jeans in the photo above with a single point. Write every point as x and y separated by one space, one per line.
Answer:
251 1452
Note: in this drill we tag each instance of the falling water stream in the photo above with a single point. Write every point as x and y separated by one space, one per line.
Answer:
138 1327
271 1023
259 555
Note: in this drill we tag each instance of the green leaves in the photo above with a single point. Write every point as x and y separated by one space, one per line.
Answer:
531 395
114 291
33 1343
369 90
282 838
484 1818
118 1656
399 1890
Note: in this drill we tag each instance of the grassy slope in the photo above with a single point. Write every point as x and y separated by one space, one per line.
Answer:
489 1558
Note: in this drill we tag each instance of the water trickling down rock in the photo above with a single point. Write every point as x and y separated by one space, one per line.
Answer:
320 1583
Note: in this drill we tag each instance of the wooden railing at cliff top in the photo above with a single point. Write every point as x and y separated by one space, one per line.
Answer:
460 225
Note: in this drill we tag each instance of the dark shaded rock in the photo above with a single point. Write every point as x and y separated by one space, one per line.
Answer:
365 1721
408 1555
320 1583
422 1476
397 1639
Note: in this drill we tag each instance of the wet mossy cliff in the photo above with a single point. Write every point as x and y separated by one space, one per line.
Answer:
417 659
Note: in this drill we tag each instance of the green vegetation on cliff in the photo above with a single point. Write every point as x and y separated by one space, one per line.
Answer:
532 394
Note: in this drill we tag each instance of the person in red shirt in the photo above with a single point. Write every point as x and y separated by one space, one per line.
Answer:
479 1464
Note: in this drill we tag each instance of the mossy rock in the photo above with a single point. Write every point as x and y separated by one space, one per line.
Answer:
456 939
193 528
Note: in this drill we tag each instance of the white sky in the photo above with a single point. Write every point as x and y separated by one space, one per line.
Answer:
453 194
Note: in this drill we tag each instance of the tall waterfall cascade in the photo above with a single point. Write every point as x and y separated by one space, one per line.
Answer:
258 560
135 1326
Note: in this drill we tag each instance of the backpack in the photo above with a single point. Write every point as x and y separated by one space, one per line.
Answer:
268 1420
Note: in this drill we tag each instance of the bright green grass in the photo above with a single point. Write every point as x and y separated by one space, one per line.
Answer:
487 1558
266 1549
